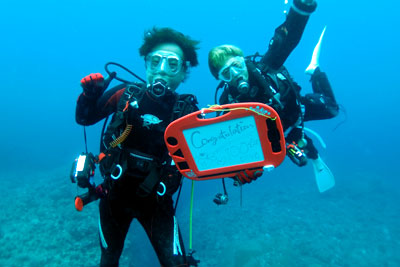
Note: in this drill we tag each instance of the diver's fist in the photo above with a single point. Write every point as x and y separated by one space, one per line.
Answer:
247 176
307 6
93 85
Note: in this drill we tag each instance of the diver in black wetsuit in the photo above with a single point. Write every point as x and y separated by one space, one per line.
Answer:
265 79
138 175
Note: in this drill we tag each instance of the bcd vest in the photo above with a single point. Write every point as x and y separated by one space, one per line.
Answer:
134 140
276 89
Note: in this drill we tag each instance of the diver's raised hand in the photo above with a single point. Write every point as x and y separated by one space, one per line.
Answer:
306 6
93 85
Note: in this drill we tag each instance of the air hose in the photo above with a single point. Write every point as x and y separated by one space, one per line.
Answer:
191 217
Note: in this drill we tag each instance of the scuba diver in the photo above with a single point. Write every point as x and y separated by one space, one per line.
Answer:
265 79
139 178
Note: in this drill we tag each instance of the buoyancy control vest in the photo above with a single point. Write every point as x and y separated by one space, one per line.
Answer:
133 143
274 88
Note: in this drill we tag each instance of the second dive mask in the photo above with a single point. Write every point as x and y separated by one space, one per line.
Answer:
235 68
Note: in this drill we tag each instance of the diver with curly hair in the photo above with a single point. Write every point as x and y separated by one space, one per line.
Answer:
139 178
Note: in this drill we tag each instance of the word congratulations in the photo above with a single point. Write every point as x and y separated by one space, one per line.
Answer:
198 141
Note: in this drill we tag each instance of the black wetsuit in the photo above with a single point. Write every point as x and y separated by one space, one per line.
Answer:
127 197
269 80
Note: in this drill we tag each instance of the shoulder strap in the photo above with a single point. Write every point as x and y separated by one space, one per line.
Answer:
259 78
292 84
186 103
133 92
257 61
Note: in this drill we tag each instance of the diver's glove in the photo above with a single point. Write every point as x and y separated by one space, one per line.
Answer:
247 176
305 6
93 85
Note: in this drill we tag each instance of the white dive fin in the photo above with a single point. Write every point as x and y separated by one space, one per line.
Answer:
315 56
323 175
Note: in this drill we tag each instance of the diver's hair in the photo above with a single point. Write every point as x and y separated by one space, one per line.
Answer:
219 55
156 36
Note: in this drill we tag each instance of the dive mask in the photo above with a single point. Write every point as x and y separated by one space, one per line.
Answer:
233 68
166 61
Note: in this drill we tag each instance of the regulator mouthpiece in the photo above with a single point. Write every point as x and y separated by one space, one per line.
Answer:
158 88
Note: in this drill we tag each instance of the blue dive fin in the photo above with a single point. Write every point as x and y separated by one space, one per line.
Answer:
315 56
323 175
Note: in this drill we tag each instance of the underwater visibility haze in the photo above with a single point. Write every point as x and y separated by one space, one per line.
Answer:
279 220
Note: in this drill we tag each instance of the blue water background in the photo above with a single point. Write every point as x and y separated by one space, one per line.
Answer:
48 46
